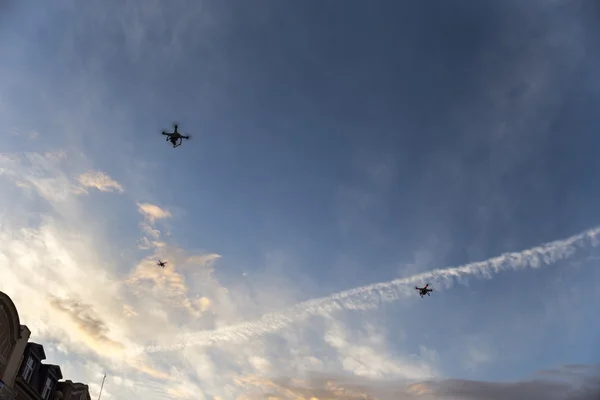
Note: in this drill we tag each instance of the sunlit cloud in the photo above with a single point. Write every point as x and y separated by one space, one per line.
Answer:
100 181
372 296
570 382
129 311
138 304
153 212
195 329
47 260
83 318
151 238
49 174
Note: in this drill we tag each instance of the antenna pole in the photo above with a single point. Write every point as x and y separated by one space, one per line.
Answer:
101 386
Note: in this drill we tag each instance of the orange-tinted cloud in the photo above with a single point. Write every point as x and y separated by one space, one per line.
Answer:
93 331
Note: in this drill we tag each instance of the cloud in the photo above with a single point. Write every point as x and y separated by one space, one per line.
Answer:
92 328
153 212
40 173
371 296
570 382
366 356
100 181
45 278
168 285
356 352
104 292
204 304
129 311
133 303
53 253
44 174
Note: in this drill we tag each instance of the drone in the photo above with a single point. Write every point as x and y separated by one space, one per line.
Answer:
424 291
175 136
161 263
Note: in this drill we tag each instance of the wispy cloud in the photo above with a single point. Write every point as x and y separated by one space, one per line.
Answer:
84 318
570 382
91 299
50 174
100 181
51 258
371 296
153 212
138 303
168 285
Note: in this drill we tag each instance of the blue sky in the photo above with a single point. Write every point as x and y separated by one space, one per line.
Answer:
334 146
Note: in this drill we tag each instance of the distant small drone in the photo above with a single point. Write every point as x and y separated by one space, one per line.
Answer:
161 263
175 136
424 291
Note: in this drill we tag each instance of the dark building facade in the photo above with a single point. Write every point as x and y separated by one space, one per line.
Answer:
69 390
36 381
13 339
23 376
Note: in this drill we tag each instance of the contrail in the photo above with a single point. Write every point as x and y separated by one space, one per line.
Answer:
371 296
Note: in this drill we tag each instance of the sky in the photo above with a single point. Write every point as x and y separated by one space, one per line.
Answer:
341 154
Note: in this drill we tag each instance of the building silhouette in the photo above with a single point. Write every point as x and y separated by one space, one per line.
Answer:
23 375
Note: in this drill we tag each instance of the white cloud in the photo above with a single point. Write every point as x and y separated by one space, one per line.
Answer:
50 174
100 181
153 212
39 173
73 285
581 382
51 260
372 296
366 355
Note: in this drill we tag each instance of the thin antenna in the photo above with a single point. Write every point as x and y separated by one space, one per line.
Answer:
101 386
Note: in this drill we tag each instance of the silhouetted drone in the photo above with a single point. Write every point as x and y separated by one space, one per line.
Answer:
424 291
175 136
161 263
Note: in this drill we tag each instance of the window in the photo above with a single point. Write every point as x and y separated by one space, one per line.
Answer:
28 370
47 389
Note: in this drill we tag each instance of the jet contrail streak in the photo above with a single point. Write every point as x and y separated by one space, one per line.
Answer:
371 296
